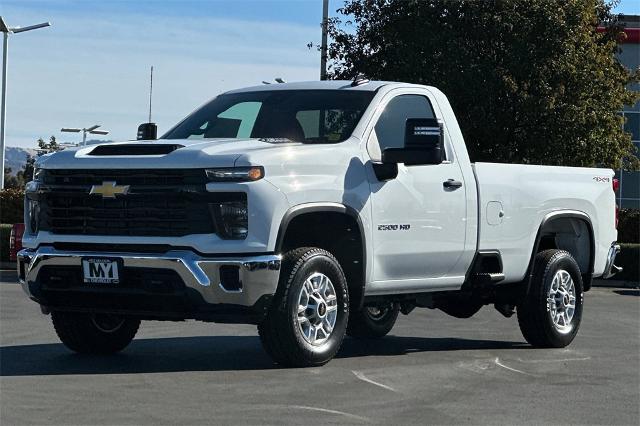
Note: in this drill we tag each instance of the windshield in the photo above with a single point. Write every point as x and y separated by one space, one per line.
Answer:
311 116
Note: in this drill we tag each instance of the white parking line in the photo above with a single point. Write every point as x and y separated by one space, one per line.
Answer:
325 410
533 361
499 364
360 375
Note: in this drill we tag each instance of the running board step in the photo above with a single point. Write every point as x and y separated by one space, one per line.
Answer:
485 278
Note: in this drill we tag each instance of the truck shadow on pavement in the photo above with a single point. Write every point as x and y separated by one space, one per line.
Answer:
215 353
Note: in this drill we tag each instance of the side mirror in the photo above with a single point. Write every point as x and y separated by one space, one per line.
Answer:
422 144
147 131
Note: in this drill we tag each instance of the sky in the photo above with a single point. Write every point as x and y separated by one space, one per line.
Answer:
92 65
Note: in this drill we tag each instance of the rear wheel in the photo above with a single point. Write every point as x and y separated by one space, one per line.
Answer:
94 333
373 321
549 315
307 321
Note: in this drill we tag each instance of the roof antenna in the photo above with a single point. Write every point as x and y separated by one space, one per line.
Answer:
279 80
148 131
150 93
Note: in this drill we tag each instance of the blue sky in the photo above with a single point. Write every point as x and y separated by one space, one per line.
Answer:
92 65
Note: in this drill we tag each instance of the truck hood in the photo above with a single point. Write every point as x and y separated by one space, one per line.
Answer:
163 154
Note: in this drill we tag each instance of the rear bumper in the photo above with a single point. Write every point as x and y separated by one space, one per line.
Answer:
610 269
178 284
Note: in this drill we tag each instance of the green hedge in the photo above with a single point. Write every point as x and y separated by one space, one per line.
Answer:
12 205
629 226
629 260
5 233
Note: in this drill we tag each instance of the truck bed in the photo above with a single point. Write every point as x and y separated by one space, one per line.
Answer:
515 199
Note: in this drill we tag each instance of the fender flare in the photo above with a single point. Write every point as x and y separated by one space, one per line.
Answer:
564 214
322 207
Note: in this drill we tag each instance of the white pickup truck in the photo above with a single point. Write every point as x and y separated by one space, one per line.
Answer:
312 210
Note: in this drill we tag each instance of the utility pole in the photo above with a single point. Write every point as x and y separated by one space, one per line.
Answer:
323 47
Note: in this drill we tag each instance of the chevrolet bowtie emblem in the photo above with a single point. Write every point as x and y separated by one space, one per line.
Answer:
109 189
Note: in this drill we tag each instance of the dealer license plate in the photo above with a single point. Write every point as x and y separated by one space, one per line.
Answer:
100 270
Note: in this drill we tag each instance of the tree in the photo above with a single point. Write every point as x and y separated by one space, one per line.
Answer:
530 81
11 181
47 147
28 168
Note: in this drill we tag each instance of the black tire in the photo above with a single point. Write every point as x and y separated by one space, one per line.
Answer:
279 332
94 334
534 310
370 324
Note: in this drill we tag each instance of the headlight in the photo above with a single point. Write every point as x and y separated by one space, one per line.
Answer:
235 174
38 173
232 220
33 205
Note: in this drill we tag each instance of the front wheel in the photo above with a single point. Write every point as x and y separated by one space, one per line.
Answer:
94 333
307 321
549 315
373 321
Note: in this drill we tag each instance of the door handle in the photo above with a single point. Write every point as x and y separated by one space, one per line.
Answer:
452 184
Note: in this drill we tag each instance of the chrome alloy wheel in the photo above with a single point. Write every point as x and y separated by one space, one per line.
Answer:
561 301
317 309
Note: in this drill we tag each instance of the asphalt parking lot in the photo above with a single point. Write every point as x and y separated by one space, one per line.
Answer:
432 369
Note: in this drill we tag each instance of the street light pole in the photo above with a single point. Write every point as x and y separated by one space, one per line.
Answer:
92 130
6 30
3 107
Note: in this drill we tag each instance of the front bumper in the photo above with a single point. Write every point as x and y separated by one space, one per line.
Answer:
609 268
177 284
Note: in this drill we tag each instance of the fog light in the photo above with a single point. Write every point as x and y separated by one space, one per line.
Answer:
232 222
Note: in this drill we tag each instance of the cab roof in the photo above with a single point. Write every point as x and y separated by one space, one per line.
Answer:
370 86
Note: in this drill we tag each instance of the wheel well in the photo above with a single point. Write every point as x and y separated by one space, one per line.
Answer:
572 234
337 232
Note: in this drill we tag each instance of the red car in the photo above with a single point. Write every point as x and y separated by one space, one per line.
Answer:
15 240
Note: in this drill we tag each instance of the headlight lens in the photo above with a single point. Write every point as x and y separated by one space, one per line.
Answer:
235 174
38 173
232 220
33 206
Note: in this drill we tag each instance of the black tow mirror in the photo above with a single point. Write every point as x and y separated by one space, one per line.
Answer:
147 132
422 144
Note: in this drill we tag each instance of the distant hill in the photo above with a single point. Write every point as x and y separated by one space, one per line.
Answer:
15 158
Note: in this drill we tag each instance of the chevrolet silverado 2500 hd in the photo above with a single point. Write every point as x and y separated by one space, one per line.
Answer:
312 210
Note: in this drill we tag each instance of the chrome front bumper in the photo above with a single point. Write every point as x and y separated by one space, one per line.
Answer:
258 274
610 269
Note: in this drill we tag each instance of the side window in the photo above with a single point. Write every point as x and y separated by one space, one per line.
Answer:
391 125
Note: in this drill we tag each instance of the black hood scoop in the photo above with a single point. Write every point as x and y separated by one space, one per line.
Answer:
135 149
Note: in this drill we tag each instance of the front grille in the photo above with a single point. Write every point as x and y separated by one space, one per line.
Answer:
158 203
152 177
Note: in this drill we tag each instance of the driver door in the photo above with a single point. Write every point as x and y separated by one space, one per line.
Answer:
418 224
